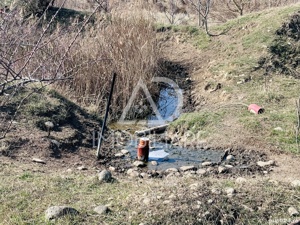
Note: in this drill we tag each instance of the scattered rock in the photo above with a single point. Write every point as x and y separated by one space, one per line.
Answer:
278 129
241 180
124 151
230 191
293 211
82 168
38 161
69 170
210 201
201 171
119 155
133 173
154 163
59 211
296 183
264 164
230 158
171 170
222 169
101 209
105 176
187 168
209 169
229 166
111 168
49 124
206 164
139 164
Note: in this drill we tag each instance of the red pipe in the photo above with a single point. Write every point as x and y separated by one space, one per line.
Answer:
143 150
255 109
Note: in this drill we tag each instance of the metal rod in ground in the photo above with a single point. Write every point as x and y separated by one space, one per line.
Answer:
106 114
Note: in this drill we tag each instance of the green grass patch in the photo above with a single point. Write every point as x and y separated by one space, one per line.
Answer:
201 123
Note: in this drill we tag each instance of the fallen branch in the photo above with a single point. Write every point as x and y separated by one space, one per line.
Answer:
152 130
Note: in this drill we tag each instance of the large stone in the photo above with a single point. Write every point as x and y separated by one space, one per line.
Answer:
206 164
171 170
132 173
265 164
101 209
293 211
119 155
49 124
229 166
278 129
230 158
124 151
187 168
230 191
139 164
37 160
154 163
105 176
201 171
112 169
59 211
222 169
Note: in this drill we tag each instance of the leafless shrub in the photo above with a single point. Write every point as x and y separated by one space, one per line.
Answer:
30 53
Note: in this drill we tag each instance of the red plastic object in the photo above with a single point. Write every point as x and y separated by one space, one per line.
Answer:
255 109
143 150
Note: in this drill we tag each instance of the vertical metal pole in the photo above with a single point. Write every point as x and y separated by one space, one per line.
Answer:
106 114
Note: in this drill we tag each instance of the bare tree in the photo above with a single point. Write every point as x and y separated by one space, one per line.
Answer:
202 8
27 56
171 11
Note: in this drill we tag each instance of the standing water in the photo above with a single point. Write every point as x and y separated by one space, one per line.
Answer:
169 106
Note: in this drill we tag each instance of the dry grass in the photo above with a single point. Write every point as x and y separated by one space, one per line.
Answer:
26 193
125 46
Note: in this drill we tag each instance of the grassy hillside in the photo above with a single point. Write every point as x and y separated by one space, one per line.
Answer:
232 60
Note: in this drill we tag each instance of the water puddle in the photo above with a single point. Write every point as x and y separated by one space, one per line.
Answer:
169 106
178 156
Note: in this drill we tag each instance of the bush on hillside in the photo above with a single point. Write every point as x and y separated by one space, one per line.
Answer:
285 50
